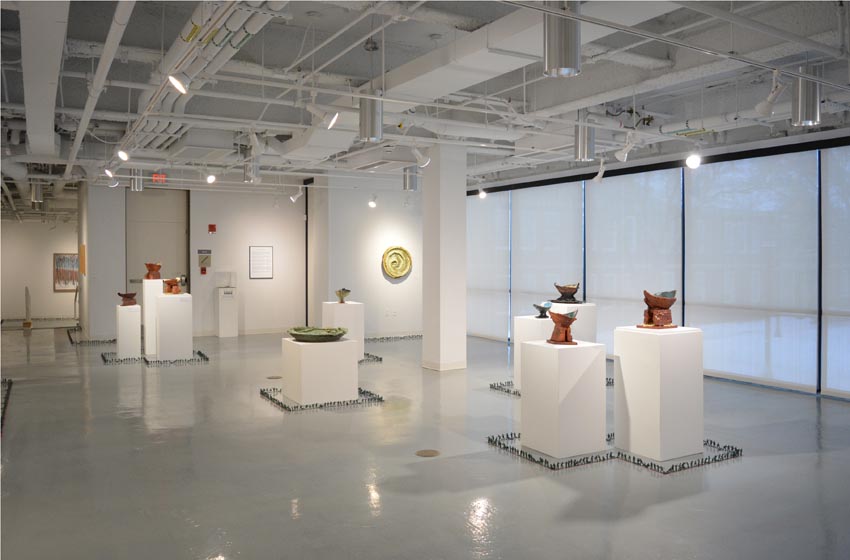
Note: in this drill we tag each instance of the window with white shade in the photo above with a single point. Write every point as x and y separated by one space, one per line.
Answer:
488 265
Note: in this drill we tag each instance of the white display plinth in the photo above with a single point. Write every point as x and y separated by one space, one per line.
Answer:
349 315
227 311
658 404
585 326
128 319
319 372
151 290
174 327
526 329
563 398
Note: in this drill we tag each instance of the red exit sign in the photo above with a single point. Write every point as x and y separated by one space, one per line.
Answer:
159 178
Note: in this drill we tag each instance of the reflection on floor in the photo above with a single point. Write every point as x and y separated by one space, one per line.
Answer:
190 462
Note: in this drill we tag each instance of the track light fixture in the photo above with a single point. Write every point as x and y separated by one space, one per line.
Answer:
297 195
210 178
421 159
326 118
113 184
180 81
482 193
693 161
765 107
373 202
601 173
108 173
561 42
623 153
123 156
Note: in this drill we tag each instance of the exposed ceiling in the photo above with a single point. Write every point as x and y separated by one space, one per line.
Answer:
265 78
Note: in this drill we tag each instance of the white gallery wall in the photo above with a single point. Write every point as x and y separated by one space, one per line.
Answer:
265 305
27 260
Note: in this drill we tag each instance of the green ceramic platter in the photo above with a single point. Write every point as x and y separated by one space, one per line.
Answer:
316 334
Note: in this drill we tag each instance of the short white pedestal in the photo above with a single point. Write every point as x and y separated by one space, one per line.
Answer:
151 290
658 404
349 315
585 326
319 372
563 398
526 329
128 319
227 311
174 327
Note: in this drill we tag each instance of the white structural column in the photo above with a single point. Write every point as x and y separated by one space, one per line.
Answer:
444 259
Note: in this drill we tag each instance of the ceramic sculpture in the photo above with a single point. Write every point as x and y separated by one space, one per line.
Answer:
562 333
172 286
316 334
397 262
153 271
127 299
568 293
542 309
342 294
657 314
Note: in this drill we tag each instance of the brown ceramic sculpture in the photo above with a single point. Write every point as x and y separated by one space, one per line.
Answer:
342 294
657 314
562 333
153 271
172 286
567 292
127 299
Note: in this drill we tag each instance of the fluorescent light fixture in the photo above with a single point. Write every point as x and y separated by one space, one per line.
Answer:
211 178
123 156
108 173
561 42
482 193
693 161
297 195
180 82
601 172
421 159
373 202
765 107
623 153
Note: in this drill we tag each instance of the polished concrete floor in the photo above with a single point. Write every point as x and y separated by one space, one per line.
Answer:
115 462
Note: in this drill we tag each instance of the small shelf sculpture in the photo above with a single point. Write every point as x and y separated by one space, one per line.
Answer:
542 309
153 271
127 299
567 292
342 294
562 334
316 334
657 314
172 286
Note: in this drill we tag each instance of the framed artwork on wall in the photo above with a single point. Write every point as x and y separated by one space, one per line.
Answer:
66 268
260 262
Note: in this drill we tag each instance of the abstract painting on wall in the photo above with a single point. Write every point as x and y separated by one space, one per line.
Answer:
66 268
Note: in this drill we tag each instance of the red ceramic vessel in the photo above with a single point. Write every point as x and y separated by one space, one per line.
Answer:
153 271
127 299
562 334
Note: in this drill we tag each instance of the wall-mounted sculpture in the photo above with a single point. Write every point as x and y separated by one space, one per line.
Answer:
342 293
172 286
397 262
567 292
153 271
657 314
542 309
562 334
127 299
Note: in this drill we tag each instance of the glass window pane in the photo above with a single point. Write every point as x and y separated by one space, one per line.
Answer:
488 265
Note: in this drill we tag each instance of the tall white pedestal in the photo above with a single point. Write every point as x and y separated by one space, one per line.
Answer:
151 290
128 319
227 312
174 327
658 403
349 315
527 328
563 398
585 326
319 372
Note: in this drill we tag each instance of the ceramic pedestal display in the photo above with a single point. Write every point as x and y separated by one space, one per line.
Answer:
527 328
658 392
349 315
174 327
563 398
151 290
320 372
585 326
128 319
227 312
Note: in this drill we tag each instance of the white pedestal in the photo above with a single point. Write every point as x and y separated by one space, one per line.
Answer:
658 404
128 319
174 327
151 290
563 398
585 326
319 372
527 328
349 315
227 311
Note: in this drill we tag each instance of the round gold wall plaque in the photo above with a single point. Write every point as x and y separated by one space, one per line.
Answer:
397 262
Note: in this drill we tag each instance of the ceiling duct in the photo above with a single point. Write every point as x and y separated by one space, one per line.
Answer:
561 42
805 102
585 142
202 145
371 119
36 195
137 182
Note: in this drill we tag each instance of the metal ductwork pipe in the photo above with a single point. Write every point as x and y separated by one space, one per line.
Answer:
411 178
585 141
372 118
137 182
805 99
36 195
561 42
